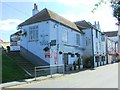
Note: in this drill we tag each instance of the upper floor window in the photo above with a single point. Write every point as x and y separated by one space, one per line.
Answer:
77 39
65 36
96 46
33 33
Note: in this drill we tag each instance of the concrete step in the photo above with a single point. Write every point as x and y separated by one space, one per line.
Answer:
25 64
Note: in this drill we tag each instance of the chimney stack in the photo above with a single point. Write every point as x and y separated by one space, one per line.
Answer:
97 25
35 10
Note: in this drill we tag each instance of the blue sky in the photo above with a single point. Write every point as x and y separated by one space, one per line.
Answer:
13 13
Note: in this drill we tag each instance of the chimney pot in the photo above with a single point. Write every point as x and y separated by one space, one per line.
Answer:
35 10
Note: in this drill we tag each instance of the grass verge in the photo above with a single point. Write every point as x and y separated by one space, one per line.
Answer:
10 70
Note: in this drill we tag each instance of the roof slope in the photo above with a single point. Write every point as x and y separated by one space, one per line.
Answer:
111 33
46 14
83 24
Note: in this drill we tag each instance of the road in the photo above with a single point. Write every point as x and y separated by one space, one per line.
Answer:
102 77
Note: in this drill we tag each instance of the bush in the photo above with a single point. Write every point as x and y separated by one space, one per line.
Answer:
88 62
79 62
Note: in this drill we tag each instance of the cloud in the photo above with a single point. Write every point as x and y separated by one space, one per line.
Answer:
103 14
28 1
8 27
77 2
9 24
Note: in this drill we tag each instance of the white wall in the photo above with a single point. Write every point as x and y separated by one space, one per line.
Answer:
36 47
57 32
97 45
50 30
88 42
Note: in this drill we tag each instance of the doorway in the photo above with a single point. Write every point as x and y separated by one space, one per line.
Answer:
97 60
103 60
65 60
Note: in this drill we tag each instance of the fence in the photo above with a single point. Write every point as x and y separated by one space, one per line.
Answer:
50 68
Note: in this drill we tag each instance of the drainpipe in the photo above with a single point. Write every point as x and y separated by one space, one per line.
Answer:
106 50
92 46
57 26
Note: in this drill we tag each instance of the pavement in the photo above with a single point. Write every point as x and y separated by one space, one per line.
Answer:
26 81
100 77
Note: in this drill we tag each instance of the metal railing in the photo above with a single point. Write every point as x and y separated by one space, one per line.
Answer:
51 68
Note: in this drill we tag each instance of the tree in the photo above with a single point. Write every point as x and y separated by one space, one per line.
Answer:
116 10
98 4
115 5
79 62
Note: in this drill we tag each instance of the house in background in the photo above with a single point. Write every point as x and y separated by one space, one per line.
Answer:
113 35
49 39
95 42
119 41
112 46
15 41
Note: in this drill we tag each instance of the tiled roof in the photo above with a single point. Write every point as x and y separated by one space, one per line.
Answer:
46 14
111 33
84 24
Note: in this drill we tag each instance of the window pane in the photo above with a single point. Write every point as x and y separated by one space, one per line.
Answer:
77 39
65 36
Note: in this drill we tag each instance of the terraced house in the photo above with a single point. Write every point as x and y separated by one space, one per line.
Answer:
95 42
112 46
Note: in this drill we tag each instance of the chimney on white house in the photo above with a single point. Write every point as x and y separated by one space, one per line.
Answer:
35 10
97 25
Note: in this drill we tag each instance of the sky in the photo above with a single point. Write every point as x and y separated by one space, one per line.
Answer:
14 12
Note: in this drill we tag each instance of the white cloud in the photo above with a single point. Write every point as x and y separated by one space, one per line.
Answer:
9 24
103 14
77 2
8 27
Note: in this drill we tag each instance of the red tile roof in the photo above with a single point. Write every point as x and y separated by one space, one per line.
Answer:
111 33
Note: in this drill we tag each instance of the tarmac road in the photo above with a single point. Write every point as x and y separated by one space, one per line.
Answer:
102 77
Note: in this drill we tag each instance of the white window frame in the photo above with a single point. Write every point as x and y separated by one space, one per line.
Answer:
77 39
65 36
33 33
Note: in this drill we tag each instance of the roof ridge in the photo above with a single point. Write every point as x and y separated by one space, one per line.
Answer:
47 14
47 10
